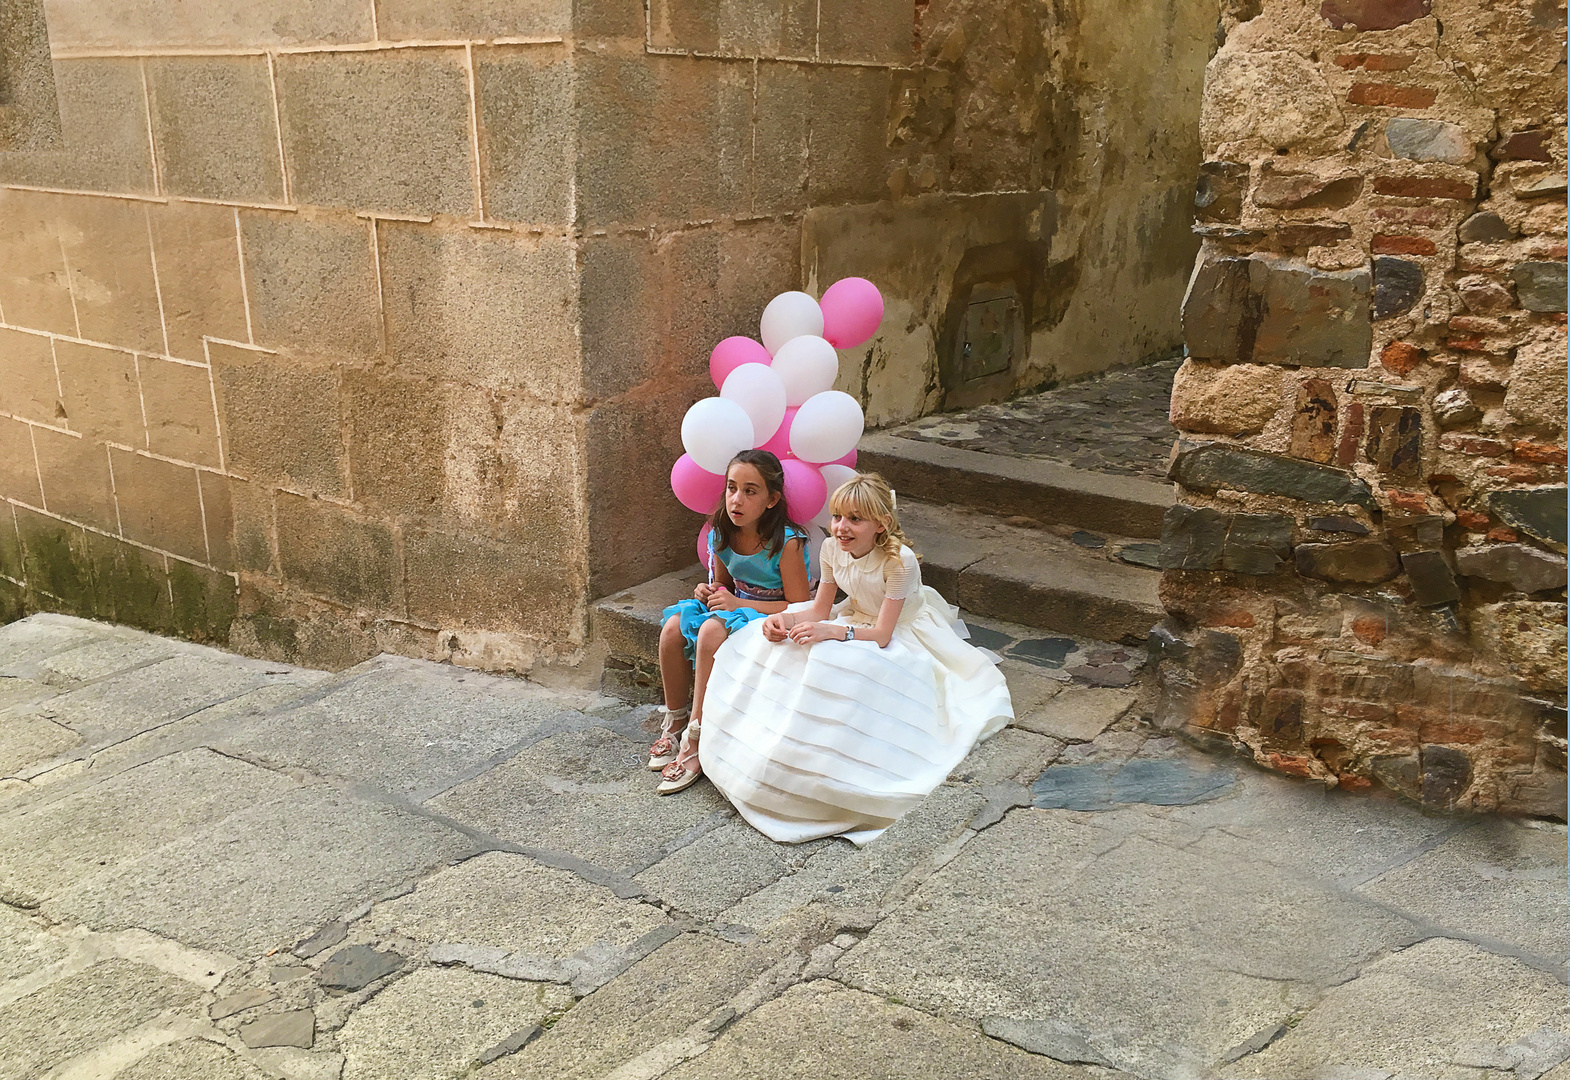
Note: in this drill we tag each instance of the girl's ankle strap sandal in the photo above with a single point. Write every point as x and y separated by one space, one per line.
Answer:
684 771
665 748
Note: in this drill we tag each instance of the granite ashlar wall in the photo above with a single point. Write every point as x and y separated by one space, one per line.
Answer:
1365 575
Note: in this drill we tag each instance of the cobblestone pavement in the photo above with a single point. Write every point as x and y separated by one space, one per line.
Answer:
217 869
1115 423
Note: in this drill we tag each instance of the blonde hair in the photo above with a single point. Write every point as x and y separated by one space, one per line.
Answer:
869 496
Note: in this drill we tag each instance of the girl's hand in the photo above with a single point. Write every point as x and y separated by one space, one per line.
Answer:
774 628
810 633
701 593
722 599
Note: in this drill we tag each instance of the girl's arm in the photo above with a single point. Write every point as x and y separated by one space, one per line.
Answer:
883 631
793 575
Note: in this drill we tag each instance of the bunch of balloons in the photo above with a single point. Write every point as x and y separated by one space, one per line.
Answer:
778 396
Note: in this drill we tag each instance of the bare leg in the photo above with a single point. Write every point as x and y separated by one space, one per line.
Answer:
675 672
710 637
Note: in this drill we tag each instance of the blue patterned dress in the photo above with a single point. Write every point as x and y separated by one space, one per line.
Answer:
756 576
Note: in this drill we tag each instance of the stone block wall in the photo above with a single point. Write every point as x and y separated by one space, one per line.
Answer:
334 326
1365 575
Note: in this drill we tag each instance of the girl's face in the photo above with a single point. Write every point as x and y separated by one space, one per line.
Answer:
746 495
856 534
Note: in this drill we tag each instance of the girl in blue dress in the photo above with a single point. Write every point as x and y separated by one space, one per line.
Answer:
757 563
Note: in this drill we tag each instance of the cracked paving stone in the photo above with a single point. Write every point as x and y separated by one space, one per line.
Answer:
1158 781
16 691
48 848
27 741
437 1022
825 1031
478 903
98 659
583 792
1011 754
25 642
1502 878
357 966
1165 958
1439 1010
297 1028
1077 715
24 945
1101 675
1047 652
192 1059
406 726
80 1012
265 876
716 870
239 1002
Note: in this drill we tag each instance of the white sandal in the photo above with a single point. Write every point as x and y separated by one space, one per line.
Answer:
665 748
680 775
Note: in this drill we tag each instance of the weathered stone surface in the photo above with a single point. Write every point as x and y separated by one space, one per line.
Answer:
1537 187
1192 538
1412 1012
1314 423
332 552
527 140
1256 543
357 966
1219 193
1305 191
1429 140
86 1010
103 121
265 876
28 386
192 1059
1539 512
1338 523
311 283
74 477
716 871
442 20
214 127
438 1021
1398 285
98 393
1232 399
1539 286
198 251
152 25
239 1002
1433 582
1078 716
1354 561
933 952
25 947
1372 14
385 130
1529 636
280 419
1455 407
1395 440
159 504
1529 145
1211 466
1486 227
1305 110
1537 380
1266 309
1523 567
178 402
296 1027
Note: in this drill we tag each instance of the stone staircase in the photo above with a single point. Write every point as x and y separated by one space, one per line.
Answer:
1014 538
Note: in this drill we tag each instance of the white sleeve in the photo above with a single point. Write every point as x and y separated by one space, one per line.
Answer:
825 560
901 576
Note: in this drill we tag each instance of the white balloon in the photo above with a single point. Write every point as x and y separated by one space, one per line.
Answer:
761 394
789 315
806 365
826 428
821 522
835 475
714 431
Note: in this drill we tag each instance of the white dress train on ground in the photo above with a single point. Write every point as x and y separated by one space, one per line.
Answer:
809 741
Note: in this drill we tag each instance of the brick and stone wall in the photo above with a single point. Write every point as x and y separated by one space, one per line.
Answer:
1366 574
351 325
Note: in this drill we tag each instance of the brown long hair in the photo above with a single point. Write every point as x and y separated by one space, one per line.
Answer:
773 522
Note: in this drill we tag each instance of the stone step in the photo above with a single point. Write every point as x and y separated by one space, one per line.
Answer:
1029 577
1042 491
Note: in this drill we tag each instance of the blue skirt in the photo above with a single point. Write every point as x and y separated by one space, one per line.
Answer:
693 614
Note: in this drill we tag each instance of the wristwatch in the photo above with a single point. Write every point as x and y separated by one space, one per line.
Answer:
850 633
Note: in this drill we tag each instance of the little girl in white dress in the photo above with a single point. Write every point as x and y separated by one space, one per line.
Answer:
821 722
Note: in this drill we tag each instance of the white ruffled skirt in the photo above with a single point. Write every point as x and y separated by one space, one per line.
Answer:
836 738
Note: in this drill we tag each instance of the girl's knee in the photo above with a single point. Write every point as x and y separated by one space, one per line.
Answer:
671 629
711 635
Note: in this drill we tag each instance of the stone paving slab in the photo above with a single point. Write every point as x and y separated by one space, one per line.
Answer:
100 658
824 1031
24 643
1162 960
192 1059
718 869
438 1022
267 876
27 740
47 848
25 947
1500 879
1444 1010
84 1011
584 792
405 726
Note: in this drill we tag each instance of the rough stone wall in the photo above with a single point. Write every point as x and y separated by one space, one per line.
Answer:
337 326
1366 574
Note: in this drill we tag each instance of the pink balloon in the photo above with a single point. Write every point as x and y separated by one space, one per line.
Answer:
733 352
696 488
852 310
849 460
779 442
805 490
703 544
